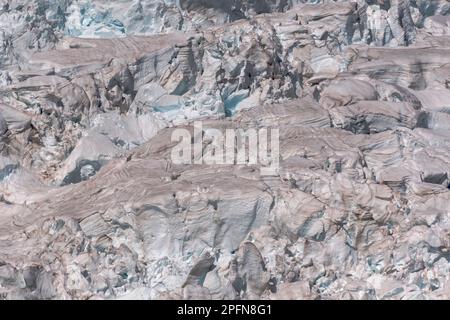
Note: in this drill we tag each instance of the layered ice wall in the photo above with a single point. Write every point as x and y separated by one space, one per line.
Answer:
91 205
